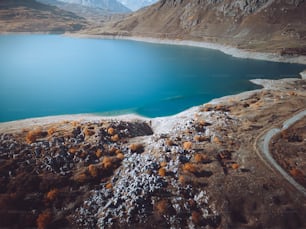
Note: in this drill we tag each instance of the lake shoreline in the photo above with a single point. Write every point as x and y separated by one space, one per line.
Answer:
227 49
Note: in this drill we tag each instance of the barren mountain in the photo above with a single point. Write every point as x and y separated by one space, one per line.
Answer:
265 25
31 16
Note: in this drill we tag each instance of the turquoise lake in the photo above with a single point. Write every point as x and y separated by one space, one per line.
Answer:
44 75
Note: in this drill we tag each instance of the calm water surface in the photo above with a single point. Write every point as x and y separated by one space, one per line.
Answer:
50 75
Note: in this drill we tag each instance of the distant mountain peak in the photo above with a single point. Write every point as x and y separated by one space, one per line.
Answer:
136 4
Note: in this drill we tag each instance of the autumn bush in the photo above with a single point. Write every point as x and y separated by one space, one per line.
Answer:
52 194
33 135
235 166
51 131
99 153
115 138
189 167
199 138
136 148
93 170
199 157
44 219
108 186
196 217
88 132
162 206
162 172
187 145
111 131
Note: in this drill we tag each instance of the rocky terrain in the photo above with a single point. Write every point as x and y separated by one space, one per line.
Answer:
198 169
31 16
264 26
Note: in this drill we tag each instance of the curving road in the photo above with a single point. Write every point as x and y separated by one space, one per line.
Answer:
264 142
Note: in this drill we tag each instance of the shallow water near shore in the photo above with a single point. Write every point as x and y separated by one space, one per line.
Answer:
43 75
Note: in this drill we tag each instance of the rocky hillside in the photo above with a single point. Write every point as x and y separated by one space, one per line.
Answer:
265 25
107 5
31 16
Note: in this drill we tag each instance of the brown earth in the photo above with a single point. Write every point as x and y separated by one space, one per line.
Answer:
264 26
197 169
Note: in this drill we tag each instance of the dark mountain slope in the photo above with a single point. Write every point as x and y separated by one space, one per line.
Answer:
31 16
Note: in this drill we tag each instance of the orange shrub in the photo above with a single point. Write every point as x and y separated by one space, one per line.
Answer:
162 207
199 138
33 135
169 142
52 194
115 138
108 186
120 156
235 166
107 162
196 217
99 153
138 148
88 132
216 140
187 145
111 131
43 220
198 157
72 150
296 173
188 167
182 179
163 164
51 131
75 123
93 170
162 172
81 177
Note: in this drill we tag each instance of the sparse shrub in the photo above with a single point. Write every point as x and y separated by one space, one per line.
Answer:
88 132
136 148
163 164
108 186
111 131
115 138
187 145
169 142
52 194
75 123
33 135
217 140
81 177
196 217
162 172
182 179
199 138
44 219
99 153
199 157
162 206
51 131
120 156
72 150
93 170
235 166
189 167
296 173
107 162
